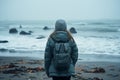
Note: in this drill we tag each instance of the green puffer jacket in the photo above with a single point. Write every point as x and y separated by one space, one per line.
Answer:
49 65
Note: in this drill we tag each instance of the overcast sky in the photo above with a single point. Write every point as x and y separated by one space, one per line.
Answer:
57 9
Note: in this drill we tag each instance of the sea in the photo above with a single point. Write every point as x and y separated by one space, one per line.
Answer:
93 37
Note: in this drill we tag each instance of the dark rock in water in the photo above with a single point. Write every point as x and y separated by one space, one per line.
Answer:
40 37
13 30
12 51
3 41
73 30
25 33
46 28
3 50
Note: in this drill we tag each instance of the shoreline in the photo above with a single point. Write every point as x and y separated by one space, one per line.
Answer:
81 57
84 69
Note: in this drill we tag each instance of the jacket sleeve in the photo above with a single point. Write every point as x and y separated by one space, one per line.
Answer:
74 54
48 56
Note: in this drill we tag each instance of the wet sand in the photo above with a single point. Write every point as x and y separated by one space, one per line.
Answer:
27 68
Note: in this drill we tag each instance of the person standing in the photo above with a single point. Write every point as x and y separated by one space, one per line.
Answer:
61 53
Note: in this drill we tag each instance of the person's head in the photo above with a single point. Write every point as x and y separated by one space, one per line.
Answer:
60 25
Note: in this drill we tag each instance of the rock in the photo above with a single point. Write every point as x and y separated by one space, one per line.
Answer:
3 50
12 51
73 30
40 37
46 28
25 33
3 41
13 30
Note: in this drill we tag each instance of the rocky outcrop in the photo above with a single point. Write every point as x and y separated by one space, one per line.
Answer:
73 30
3 41
3 50
40 37
13 30
25 33
46 28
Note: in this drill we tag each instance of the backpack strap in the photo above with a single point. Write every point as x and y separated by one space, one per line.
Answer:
58 47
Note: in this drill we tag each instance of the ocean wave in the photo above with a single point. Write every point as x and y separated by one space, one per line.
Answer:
92 39
20 50
79 23
99 29
105 37
22 53
98 23
105 30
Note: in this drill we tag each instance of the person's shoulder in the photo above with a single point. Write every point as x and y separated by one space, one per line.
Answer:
50 41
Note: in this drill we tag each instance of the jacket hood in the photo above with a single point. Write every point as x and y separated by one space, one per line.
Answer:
60 25
60 36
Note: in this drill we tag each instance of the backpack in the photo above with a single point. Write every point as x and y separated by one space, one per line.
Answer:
62 56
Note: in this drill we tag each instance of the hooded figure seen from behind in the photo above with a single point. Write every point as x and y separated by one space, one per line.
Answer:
61 53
